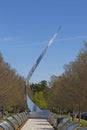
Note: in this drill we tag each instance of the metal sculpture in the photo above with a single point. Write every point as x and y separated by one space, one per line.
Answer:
31 105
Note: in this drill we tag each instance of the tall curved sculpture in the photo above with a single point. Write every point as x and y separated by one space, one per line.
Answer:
31 105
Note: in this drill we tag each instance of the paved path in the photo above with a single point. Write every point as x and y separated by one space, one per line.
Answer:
37 124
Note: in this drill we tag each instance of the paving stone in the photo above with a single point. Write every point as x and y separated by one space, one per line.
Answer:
37 124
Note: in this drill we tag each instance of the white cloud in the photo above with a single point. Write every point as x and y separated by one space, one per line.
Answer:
72 38
6 39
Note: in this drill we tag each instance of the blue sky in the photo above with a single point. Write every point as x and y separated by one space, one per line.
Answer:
26 26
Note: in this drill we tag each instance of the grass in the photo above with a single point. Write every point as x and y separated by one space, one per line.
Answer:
83 123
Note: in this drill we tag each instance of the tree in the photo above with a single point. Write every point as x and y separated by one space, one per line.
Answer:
11 88
39 100
69 90
41 86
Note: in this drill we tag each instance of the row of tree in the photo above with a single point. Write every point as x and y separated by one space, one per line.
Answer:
69 91
11 88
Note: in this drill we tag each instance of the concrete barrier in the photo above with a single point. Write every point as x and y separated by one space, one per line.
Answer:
21 118
5 126
16 117
13 122
63 124
72 126
52 119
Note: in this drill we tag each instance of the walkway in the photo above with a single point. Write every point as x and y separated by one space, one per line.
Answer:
37 124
